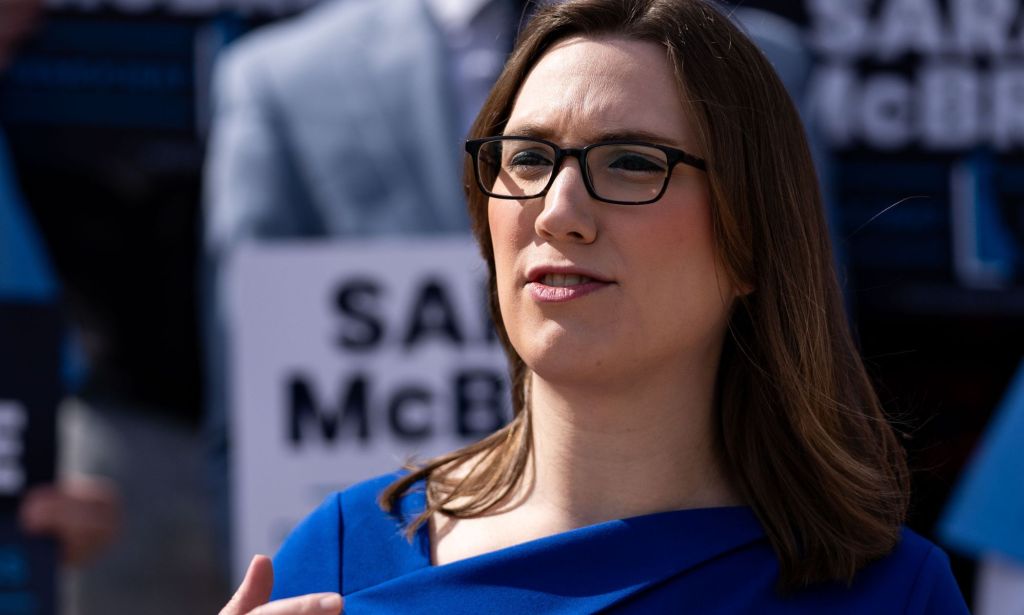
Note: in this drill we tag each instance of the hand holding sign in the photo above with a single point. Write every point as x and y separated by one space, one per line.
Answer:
83 513
254 593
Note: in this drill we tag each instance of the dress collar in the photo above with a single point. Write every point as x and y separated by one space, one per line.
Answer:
582 570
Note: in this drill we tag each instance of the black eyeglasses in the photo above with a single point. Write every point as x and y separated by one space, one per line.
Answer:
619 172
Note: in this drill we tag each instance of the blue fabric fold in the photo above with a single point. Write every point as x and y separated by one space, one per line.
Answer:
584 567
710 560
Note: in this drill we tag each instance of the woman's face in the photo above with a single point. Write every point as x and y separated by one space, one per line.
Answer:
653 295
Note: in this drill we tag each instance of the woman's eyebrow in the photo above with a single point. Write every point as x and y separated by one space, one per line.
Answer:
535 131
634 135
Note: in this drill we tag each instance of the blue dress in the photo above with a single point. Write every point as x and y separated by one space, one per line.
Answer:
711 560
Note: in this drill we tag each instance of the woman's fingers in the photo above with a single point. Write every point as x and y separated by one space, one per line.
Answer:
310 604
255 588
254 592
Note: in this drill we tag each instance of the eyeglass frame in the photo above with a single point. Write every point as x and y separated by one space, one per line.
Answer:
673 157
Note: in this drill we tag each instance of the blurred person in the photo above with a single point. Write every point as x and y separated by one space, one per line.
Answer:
82 512
129 481
985 515
694 428
343 122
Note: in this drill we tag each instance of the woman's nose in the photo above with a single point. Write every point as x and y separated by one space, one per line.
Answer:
568 213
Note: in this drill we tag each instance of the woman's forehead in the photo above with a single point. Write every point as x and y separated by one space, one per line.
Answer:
587 88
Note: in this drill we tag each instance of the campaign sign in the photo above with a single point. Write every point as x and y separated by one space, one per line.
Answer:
346 360
29 393
922 105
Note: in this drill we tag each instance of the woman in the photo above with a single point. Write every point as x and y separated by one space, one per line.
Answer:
694 430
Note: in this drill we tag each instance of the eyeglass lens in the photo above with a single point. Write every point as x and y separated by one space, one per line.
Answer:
617 172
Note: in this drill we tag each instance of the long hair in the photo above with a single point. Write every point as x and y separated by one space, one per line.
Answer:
799 424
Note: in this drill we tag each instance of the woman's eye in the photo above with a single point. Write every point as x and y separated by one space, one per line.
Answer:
528 159
636 163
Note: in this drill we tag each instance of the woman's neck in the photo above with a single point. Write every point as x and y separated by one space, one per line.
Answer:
602 451
624 449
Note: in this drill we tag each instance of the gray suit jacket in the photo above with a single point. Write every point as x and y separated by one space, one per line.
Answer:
339 122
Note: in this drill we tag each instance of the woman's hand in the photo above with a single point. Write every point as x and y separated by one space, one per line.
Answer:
254 592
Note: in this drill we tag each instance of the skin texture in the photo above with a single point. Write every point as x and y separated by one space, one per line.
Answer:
623 378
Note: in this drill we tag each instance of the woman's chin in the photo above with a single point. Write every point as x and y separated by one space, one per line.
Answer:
582 364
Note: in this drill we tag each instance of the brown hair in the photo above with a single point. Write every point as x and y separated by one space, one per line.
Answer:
800 425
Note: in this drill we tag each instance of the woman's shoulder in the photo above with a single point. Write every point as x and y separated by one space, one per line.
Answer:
914 578
344 528
929 584
913 555
360 499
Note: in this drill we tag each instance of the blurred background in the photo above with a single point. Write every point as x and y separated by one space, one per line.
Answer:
141 141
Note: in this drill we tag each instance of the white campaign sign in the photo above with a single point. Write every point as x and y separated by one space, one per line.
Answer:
345 359
966 88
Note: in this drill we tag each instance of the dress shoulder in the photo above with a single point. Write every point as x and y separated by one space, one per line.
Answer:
346 544
934 590
309 559
914 579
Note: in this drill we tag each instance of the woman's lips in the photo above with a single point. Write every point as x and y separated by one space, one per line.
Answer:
558 287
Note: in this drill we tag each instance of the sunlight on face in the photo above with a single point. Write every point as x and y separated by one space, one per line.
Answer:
592 292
